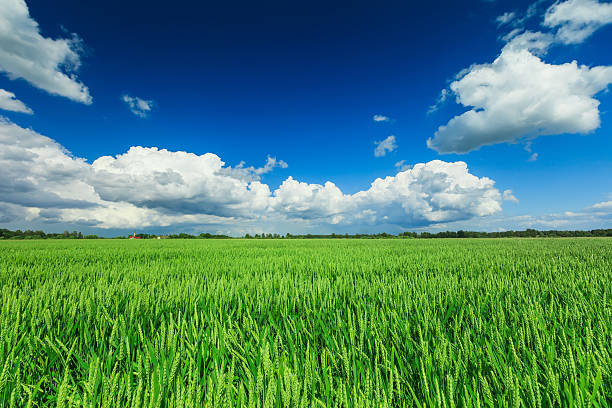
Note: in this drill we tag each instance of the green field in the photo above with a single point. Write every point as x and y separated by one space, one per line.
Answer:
306 323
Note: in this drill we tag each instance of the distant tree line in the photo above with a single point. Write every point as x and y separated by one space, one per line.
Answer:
204 235
29 234
528 233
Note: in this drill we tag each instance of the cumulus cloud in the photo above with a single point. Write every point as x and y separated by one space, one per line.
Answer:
139 107
9 102
296 199
381 118
38 172
428 193
576 20
48 64
385 146
509 196
148 186
521 96
176 182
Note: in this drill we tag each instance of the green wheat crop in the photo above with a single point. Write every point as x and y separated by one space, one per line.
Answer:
306 323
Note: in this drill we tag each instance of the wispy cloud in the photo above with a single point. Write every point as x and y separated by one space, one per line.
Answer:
439 102
139 107
252 173
505 18
576 20
402 165
9 102
385 146
508 195
381 118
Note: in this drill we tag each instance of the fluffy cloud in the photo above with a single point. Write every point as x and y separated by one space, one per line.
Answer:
296 199
428 193
381 118
48 64
38 172
138 106
144 187
176 182
9 102
521 96
576 20
385 146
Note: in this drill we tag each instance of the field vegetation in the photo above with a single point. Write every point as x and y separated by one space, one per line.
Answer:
306 323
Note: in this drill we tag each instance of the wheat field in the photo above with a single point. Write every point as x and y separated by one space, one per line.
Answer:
306 323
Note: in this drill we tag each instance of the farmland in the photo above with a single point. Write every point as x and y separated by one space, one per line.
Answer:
319 323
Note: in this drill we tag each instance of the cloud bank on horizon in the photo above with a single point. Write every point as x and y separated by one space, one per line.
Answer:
519 96
156 187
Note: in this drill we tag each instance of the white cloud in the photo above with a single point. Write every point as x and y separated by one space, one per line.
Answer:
428 193
176 182
603 206
38 172
381 118
296 199
139 107
402 165
520 96
439 102
597 216
9 102
536 43
576 20
533 157
252 173
509 196
48 64
147 187
385 146
505 18
516 20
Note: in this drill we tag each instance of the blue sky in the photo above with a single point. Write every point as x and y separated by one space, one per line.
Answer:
301 84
